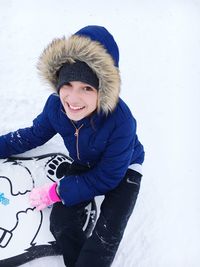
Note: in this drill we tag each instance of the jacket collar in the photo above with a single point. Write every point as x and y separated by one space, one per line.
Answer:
94 119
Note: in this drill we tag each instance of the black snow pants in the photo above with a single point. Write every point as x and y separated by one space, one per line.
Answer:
100 248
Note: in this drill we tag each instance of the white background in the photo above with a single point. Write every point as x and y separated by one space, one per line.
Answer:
159 45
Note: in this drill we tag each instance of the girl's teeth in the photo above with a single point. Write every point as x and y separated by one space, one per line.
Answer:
75 108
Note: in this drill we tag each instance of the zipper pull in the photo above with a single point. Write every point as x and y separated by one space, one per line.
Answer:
76 132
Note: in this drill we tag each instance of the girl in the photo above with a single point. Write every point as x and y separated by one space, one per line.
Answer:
99 132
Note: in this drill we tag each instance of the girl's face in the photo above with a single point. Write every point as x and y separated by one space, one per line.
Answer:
78 99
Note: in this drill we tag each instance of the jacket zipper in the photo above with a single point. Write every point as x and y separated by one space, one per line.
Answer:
77 138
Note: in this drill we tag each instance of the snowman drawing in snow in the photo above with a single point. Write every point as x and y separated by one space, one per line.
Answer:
24 233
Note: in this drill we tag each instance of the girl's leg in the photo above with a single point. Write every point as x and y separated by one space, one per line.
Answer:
66 225
99 250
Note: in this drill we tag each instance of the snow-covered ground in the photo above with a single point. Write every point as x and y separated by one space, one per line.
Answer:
160 65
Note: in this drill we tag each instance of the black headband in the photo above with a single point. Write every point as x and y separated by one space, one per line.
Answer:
77 71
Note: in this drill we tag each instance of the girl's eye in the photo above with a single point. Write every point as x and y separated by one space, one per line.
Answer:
88 89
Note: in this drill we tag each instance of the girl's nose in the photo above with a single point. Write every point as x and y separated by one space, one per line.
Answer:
74 94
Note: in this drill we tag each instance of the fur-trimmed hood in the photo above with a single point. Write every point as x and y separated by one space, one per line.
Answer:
94 53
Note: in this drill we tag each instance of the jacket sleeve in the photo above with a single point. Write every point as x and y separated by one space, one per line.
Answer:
107 174
28 138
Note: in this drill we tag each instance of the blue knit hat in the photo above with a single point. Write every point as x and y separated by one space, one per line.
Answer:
101 35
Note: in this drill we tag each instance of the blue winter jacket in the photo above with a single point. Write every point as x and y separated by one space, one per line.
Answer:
108 144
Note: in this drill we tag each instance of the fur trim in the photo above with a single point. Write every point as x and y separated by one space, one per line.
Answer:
81 48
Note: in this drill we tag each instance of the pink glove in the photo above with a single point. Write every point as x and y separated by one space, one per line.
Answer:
44 196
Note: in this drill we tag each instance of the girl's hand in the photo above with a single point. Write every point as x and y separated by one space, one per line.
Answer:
44 196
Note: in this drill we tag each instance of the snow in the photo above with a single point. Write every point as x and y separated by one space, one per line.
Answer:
160 66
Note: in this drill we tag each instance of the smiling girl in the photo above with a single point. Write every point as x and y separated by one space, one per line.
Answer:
99 132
